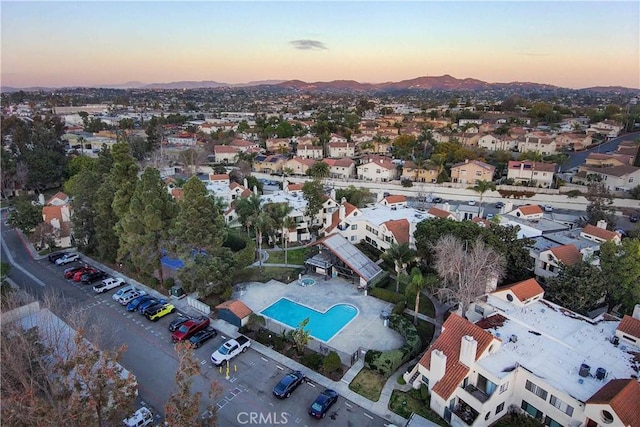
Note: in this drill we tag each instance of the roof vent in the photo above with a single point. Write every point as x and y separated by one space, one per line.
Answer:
585 370
601 373
513 338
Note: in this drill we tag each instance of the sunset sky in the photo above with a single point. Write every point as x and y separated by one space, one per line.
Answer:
571 44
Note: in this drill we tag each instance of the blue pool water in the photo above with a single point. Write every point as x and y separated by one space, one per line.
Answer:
322 326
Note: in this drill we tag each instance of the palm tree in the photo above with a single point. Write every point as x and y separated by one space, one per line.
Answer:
287 224
248 208
399 255
278 213
416 284
262 223
482 187
319 170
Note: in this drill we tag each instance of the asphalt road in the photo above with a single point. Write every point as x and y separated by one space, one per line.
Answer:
577 158
246 395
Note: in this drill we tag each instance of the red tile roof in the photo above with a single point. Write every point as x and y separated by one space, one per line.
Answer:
177 193
630 326
623 395
440 213
346 162
218 177
482 222
449 343
400 230
224 149
600 233
534 166
237 307
335 216
567 254
530 209
295 187
60 196
523 290
395 199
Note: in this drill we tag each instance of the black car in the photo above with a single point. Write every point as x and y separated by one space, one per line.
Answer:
323 402
634 217
202 336
290 382
57 255
177 322
437 200
153 307
89 278
499 205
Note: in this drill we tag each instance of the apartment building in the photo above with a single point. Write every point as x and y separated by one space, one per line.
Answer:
520 353
527 172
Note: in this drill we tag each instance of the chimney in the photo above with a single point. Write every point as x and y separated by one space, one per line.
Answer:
636 312
41 199
438 367
246 183
446 206
602 224
342 212
468 347
333 194
255 190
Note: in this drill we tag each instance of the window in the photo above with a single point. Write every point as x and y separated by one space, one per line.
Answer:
499 408
538 391
606 416
354 227
531 410
504 387
509 297
353 238
377 170
626 337
563 406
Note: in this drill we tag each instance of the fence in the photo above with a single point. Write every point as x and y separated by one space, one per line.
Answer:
198 305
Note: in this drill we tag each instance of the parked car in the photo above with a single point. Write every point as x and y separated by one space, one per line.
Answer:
634 217
437 200
141 418
108 284
202 336
77 276
490 216
323 402
71 271
56 256
122 291
135 303
499 205
150 303
92 277
177 322
230 349
130 296
548 208
288 384
471 202
160 311
190 327
67 258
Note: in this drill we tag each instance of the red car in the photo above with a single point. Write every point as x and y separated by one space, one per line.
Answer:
77 276
190 327
69 272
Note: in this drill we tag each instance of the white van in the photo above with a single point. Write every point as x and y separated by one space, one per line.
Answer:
142 417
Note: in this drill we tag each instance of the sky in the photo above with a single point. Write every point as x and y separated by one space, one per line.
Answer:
570 44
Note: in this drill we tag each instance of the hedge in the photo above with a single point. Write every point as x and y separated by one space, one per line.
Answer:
387 362
246 256
388 295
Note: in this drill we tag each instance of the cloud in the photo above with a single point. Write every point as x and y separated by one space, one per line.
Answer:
308 45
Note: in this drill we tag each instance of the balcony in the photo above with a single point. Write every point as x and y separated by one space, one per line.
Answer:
477 393
465 412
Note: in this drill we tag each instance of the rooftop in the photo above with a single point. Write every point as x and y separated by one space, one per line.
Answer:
552 343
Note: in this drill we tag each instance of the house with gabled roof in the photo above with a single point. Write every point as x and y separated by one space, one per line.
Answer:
272 163
59 216
599 233
394 200
573 141
435 212
529 212
58 199
603 160
614 178
527 172
427 172
309 151
341 168
244 146
379 169
225 154
278 145
299 165
628 331
542 145
221 178
550 261
494 142
471 172
341 149
521 353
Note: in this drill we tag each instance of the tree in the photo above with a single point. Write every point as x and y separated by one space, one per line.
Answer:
319 170
247 208
288 224
262 223
577 287
399 255
482 187
44 236
279 212
417 283
600 205
620 265
358 197
145 227
301 336
183 406
27 214
466 270
313 193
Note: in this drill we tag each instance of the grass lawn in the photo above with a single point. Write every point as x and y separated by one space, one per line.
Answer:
404 404
368 384
295 257
281 274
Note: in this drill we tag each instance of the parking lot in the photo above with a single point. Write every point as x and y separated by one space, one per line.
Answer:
247 386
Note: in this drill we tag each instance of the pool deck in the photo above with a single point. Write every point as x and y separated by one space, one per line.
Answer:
365 331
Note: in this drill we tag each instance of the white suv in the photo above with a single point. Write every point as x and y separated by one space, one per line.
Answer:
142 417
122 291
67 259
108 284
129 296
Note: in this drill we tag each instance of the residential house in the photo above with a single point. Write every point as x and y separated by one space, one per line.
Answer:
361 137
394 201
518 352
529 212
493 142
341 149
245 146
225 154
58 199
468 138
600 160
441 213
389 133
59 217
307 140
337 138
550 261
472 171
299 165
573 141
293 197
341 168
599 233
540 145
614 178
531 173
309 151
608 128
222 178
379 169
278 145
272 163
427 172
184 138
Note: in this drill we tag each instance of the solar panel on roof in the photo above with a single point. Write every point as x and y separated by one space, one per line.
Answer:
352 256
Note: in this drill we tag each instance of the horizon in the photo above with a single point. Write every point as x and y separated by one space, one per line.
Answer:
565 44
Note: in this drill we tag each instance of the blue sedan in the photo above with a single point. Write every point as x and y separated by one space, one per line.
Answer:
136 302
322 403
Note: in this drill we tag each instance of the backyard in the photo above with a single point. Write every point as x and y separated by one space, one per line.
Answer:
253 274
404 403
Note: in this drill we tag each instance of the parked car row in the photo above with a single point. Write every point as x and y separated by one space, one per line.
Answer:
319 407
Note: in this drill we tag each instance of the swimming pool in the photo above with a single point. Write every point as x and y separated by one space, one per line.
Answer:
322 326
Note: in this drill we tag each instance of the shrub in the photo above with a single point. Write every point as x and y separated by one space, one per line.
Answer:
154 282
235 241
573 194
255 323
401 380
331 362
388 295
389 361
407 183
245 256
424 393
169 283
399 307
312 360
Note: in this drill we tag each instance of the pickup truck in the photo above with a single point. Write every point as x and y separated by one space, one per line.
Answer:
230 349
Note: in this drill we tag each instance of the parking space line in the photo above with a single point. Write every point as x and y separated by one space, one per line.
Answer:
280 367
347 404
266 360
367 415
312 385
